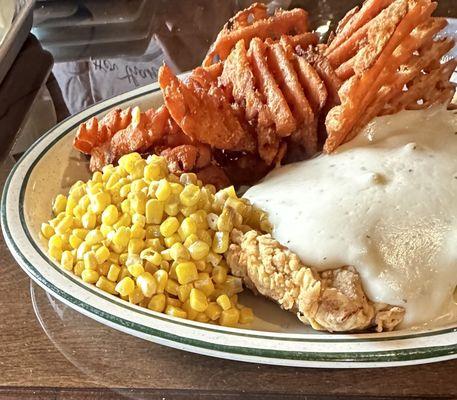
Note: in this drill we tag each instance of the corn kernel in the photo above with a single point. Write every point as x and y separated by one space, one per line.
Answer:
213 258
138 185
127 162
100 201
186 272
171 240
90 261
138 202
125 287
198 300
188 227
47 230
171 209
184 292
173 302
161 276
175 312
78 268
147 283
163 191
190 195
204 283
113 272
198 250
152 256
219 274
202 317
246 315
59 205
213 311
55 241
158 302
121 237
191 313
135 269
103 268
224 301
139 220
125 206
152 172
220 242
225 220
229 317
172 286
102 254
94 237
106 285
136 296
137 231
169 226
89 220
135 246
89 275
179 253
55 253
66 261
110 215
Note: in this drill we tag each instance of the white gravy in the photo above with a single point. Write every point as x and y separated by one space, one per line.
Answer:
386 203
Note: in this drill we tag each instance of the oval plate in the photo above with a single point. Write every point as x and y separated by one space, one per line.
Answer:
51 165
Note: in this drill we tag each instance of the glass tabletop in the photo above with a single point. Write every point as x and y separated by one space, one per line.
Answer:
102 48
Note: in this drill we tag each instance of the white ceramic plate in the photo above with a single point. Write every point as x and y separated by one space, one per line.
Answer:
51 165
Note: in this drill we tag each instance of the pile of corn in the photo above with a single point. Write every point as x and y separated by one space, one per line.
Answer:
153 238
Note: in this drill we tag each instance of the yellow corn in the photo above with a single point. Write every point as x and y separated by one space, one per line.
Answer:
121 237
125 287
78 268
171 209
139 219
135 246
152 172
55 241
147 283
163 191
90 261
213 311
188 227
161 277
113 272
106 285
89 275
220 242
219 274
175 312
184 292
102 254
173 302
89 220
172 287
60 203
169 226
229 317
47 230
135 269
179 253
204 283
66 261
190 195
136 296
198 250
110 215
186 272
198 300
158 302
224 301
94 237
100 201
246 315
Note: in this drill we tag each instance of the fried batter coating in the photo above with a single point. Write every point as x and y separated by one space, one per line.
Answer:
333 300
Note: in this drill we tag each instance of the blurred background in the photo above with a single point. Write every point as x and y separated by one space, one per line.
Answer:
58 57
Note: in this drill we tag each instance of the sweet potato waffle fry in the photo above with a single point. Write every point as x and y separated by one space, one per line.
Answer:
266 88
